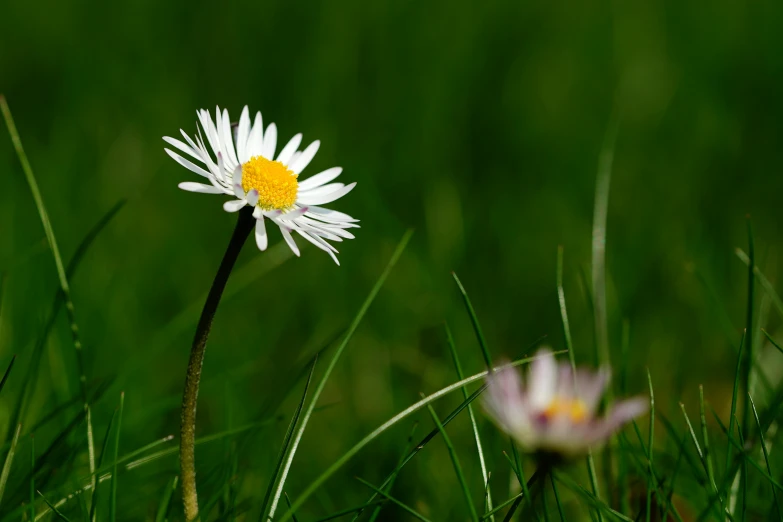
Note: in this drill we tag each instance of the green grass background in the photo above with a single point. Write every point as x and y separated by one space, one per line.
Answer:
477 123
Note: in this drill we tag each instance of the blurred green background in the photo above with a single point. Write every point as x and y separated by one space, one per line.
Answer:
478 124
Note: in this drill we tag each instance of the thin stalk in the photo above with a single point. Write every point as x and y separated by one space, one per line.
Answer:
187 445
113 498
557 498
32 477
572 358
475 321
455 461
472 416
333 362
749 357
405 507
339 463
9 459
50 238
766 458
651 480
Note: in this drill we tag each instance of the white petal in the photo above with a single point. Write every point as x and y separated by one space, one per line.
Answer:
320 178
304 160
252 198
239 191
330 215
234 205
191 186
288 239
262 240
542 381
255 139
288 151
242 133
323 189
320 243
229 141
270 142
326 198
237 176
184 148
293 214
209 129
187 164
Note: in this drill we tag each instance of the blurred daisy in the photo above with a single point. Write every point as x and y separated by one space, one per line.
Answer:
556 412
240 161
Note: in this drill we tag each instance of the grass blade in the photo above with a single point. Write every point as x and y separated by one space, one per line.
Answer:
590 462
454 462
410 510
165 503
766 458
557 498
31 376
47 226
113 504
475 321
357 509
348 335
32 477
9 459
650 444
389 483
94 501
7 373
54 509
472 416
281 469
749 357
763 281
702 458
385 426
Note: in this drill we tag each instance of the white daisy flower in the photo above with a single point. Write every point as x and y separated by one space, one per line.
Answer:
241 162
555 413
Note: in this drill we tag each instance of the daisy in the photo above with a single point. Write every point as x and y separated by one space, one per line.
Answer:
556 413
240 161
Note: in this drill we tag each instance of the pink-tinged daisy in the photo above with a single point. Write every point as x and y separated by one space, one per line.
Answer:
241 161
556 412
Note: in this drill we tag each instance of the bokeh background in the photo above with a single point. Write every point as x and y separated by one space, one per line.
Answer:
479 124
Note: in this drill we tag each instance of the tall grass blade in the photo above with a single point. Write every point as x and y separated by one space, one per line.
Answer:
165 503
9 459
472 416
31 376
389 483
702 457
763 281
309 490
7 373
455 462
749 356
283 463
94 481
348 335
54 509
405 507
47 226
765 452
590 462
32 478
474 319
113 504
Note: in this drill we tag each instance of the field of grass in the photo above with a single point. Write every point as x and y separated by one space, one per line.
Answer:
618 161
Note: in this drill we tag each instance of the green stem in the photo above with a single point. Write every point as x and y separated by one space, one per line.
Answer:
187 447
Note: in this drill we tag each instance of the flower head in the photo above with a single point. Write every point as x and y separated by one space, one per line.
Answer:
556 412
239 161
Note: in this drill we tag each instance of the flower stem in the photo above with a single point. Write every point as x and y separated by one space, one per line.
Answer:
187 445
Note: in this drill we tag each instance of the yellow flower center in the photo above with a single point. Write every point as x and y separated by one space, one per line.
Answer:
276 184
573 408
